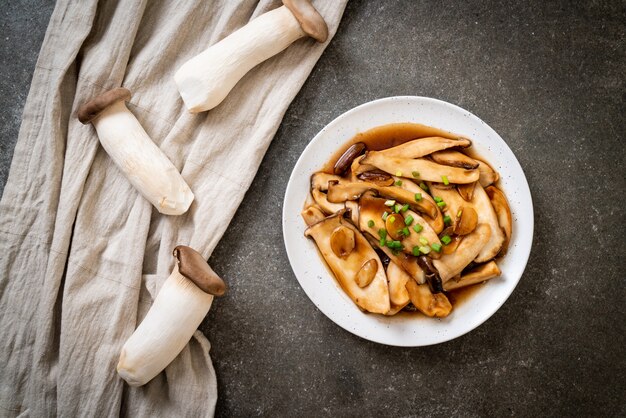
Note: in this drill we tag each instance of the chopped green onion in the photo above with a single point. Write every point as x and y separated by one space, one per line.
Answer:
382 233
441 204
417 228
446 239
395 251
416 251
390 203
437 199
418 197
445 180
392 219
447 220
385 214
408 220
424 241
424 250
460 212
389 243
415 174
398 183
394 244
370 223
398 173
382 242
436 246
404 208
424 186
405 231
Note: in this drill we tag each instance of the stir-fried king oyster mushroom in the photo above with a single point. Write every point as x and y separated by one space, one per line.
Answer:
353 261
206 79
180 306
423 207
137 156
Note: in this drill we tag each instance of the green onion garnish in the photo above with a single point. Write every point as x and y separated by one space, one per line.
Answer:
396 208
405 231
424 250
392 219
445 180
416 251
398 183
417 228
394 244
447 220
404 208
436 246
408 220
398 173
446 239
424 241
418 197
424 186
389 243
441 204
390 203
370 223
437 199
460 212
385 214
382 233
382 242
415 174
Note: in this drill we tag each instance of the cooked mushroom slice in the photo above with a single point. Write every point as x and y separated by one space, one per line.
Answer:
433 305
423 146
357 168
466 191
177 311
488 175
342 242
476 275
377 177
312 215
398 278
347 158
449 265
503 212
342 191
353 207
466 220
320 180
407 262
366 273
322 201
427 170
375 296
454 159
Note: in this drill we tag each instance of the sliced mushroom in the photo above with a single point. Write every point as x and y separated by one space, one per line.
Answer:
377 177
398 278
476 275
373 298
466 191
425 169
449 265
454 159
423 146
320 180
322 201
312 215
353 207
347 158
503 212
407 262
466 220
433 305
343 191
488 175
342 241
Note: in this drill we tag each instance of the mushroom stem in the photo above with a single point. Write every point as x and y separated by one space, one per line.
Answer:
177 311
140 160
206 79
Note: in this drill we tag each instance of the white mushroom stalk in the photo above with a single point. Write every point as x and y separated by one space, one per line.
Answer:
179 308
137 156
206 79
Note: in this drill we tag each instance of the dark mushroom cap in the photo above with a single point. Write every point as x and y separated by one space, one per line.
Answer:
311 22
194 267
90 110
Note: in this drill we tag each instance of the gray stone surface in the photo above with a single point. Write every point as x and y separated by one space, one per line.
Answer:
547 76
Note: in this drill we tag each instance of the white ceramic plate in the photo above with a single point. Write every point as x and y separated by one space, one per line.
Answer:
317 281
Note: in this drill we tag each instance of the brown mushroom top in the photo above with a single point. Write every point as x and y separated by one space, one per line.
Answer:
311 22
90 110
194 267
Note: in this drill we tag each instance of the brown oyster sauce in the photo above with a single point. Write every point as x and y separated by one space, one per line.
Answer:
391 135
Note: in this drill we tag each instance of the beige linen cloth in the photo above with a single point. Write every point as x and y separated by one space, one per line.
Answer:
83 254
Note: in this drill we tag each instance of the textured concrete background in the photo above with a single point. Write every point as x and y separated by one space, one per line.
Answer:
547 76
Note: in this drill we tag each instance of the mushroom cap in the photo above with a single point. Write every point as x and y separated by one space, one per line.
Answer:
193 266
90 110
311 22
